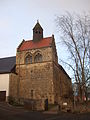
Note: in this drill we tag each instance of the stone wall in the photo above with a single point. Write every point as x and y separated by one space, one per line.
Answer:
13 85
35 77
41 80
46 52
62 85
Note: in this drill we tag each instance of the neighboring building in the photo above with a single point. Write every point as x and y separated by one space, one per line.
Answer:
38 74
77 93
7 67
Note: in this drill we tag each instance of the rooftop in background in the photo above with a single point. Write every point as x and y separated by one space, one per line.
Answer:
30 44
7 64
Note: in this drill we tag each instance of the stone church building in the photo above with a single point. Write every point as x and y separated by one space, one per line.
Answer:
38 75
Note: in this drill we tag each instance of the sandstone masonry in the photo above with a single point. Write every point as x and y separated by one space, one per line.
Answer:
38 74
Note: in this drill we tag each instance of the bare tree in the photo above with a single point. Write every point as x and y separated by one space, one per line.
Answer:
75 34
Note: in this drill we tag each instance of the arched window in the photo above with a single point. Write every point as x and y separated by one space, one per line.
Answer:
28 59
38 58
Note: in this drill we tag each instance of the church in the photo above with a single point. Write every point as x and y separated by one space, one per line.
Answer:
35 72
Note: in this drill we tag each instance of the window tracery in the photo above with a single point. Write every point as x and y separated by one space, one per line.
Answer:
38 58
28 59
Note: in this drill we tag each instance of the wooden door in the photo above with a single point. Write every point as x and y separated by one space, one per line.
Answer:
2 95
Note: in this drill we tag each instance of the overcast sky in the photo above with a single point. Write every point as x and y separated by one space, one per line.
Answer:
18 17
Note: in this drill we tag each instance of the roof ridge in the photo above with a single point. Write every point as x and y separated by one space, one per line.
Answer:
7 57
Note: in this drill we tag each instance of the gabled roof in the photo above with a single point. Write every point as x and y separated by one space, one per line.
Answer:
30 44
7 64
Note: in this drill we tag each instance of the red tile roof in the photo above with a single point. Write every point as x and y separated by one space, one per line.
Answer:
30 44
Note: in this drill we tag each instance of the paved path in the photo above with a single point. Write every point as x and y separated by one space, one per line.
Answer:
8 112
8 109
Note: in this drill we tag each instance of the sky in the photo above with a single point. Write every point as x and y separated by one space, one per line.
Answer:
18 17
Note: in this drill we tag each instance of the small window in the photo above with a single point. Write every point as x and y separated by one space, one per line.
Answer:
38 58
32 94
28 59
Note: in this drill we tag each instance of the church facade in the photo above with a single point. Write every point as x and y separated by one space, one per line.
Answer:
37 74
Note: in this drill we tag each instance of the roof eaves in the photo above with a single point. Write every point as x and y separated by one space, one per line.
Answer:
35 48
